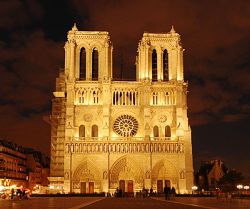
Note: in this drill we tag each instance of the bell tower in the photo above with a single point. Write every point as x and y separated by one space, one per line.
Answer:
88 55
160 57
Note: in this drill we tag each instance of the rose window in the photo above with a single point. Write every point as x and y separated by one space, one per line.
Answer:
126 125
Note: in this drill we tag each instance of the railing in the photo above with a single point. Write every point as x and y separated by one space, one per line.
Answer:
161 138
134 146
124 93
94 139
88 139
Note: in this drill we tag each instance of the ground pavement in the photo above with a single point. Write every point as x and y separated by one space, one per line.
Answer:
211 202
49 203
124 203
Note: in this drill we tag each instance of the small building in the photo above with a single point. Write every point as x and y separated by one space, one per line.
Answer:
22 167
37 168
209 174
12 164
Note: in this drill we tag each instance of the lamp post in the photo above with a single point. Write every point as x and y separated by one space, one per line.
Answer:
239 187
194 188
246 188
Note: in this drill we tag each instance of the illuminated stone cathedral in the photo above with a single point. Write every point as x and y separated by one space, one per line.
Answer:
131 135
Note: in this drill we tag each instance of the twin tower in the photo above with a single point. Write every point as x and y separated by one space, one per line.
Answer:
88 56
131 135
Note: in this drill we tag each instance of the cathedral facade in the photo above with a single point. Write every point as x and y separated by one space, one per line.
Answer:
131 135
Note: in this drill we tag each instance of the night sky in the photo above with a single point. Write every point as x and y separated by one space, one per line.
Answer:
215 34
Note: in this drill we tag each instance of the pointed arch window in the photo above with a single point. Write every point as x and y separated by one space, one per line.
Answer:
156 131
165 65
81 131
82 71
167 98
155 98
95 97
154 65
94 131
80 98
167 131
95 60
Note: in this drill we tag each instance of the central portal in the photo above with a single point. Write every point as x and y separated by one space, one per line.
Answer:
126 186
160 186
87 187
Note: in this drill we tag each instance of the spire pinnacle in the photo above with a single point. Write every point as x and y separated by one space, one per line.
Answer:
74 28
172 29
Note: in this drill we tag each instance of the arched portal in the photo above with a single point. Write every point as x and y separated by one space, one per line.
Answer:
164 173
126 174
87 178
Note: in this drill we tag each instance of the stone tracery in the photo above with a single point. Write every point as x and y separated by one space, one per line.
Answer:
126 125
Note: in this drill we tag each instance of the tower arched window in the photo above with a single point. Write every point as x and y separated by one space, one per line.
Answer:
81 131
154 65
156 131
167 131
94 131
165 65
82 71
95 61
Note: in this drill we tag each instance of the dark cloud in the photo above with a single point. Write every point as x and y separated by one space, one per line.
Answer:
29 70
215 35
216 38
28 66
18 14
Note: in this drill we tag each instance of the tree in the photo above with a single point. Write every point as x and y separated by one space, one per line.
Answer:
229 181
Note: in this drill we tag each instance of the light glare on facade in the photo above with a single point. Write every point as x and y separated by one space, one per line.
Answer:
110 134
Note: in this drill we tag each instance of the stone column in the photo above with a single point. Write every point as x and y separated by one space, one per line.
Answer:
72 60
159 64
88 64
180 64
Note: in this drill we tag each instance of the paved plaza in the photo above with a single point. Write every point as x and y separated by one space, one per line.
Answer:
124 203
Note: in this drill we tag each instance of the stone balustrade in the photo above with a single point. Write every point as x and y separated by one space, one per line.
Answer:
133 146
91 93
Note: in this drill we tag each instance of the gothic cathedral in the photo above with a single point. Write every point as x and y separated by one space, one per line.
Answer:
131 135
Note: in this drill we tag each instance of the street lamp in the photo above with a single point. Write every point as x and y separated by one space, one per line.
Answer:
194 188
239 187
246 187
